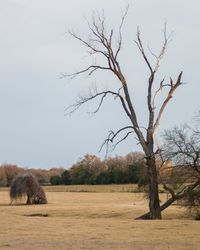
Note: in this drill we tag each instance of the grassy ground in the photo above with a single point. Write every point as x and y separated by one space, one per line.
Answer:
93 188
93 217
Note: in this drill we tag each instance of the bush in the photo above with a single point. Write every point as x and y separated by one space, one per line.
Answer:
192 202
197 217
27 185
143 182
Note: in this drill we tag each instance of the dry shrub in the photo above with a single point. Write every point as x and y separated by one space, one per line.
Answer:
191 201
27 185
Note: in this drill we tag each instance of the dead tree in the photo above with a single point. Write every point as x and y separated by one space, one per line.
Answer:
102 44
26 185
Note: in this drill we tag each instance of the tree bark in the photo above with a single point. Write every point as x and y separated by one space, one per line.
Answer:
154 203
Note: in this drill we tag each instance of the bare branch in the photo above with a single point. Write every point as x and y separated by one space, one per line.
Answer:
120 31
153 70
84 99
112 136
162 85
141 48
123 139
101 43
164 47
183 147
99 37
90 70
173 87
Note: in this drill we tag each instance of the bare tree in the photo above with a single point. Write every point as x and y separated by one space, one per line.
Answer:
102 44
182 146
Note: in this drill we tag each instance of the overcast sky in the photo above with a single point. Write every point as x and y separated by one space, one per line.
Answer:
35 49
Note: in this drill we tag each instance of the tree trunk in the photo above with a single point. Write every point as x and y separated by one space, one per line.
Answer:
154 203
28 202
163 207
167 203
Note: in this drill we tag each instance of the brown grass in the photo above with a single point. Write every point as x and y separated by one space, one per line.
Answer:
93 220
93 188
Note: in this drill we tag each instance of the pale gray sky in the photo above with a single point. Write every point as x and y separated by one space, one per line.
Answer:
35 50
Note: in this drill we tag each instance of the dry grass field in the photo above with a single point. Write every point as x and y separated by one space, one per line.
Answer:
93 217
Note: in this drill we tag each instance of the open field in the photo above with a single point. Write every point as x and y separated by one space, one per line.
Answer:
96 217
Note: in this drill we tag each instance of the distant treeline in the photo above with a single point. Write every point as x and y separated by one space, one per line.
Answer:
88 170
9 171
114 170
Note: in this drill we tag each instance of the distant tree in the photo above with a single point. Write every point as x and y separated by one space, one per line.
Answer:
55 180
2 177
103 44
43 175
114 170
86 170
134 157
27 185
102 178
137 171
66 179
80 174
10 171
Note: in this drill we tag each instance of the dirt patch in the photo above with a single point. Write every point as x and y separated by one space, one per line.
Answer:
37 215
